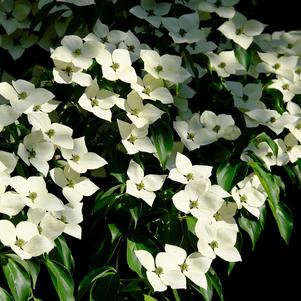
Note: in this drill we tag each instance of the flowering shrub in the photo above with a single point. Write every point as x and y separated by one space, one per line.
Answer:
157 142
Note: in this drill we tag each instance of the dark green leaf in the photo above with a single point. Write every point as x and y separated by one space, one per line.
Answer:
132 260
64 253
17 279
162 137
91 277
281 212
216 283
149 298
105 288
263 137
115 232
243 56
4 295
61 280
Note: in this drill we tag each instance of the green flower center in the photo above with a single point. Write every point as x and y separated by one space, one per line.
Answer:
77 52
70 183
20 242
217 216
189 177
147 90
298 126
132 139
31 154
245 97
222 65
193 204
216 128
159 68
68 70
36 108
183 267
50 133
115 66
272 119
32 196
276 66
23 95
182 32
190 136
75 158
158 271
286 87
94 102
239 31
131 48
140 186
213 244
243 198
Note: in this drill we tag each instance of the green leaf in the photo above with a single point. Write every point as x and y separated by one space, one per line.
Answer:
61 280
281 212
208 293
149 298
243 56
64 253
4 295
32 267
162 138
263 137
90 279
105 288
253 226
132 260
216 283
115 232
227 173
17 279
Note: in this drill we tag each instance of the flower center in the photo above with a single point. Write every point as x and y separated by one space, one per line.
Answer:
31 154
50 133
190 136
276 66
20 242
75 158
245 97
189 177
216 128
213 244
298 126
70 183
32 196
36 108
115 66
183 267
94 102
243 198
147 90
222 65
132 139
272 119
217 216
159 68
77 52
193 204
140 186
23 95
182 32
286 87
131 48
158 271
239 31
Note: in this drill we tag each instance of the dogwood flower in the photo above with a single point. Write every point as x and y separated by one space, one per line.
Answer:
74 187
217 126
58 134
246 98
193 266
224 8
79 159
35 150
141 186
66 73
217 241
225 63
290 147
117 65
152 88
98 101
167 66
280 65
78 2
241 30
185 172
151 11
35 194
189 131
24 239
11 203
140 114
185 29
23 94
77 52
7 115
135 139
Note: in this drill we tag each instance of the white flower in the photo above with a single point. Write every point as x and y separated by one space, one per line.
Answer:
225 63
198 196
217 126
241 30
79 159
189 131
167 66
23 94
98 101
270 118
74 51
135 139
152 88
11 203
151 11
78 2
117 65
185 171
224 8
193 266
7 115
36 151
280 65
217 241
140 186
141 115
35 194
185 29
66 73
246 98
24 239
58 134
74 186
290 147
154 270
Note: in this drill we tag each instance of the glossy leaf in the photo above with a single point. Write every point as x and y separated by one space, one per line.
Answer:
4 295
17 279
64 253
61 279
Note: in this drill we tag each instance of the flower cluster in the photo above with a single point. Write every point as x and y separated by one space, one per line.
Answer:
173 124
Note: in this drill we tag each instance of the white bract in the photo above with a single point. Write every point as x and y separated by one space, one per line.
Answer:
241 30
167 67
185 172
224 8
135 139
74 187
117 65
79 159
151 11
35 150
141 186
24 239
